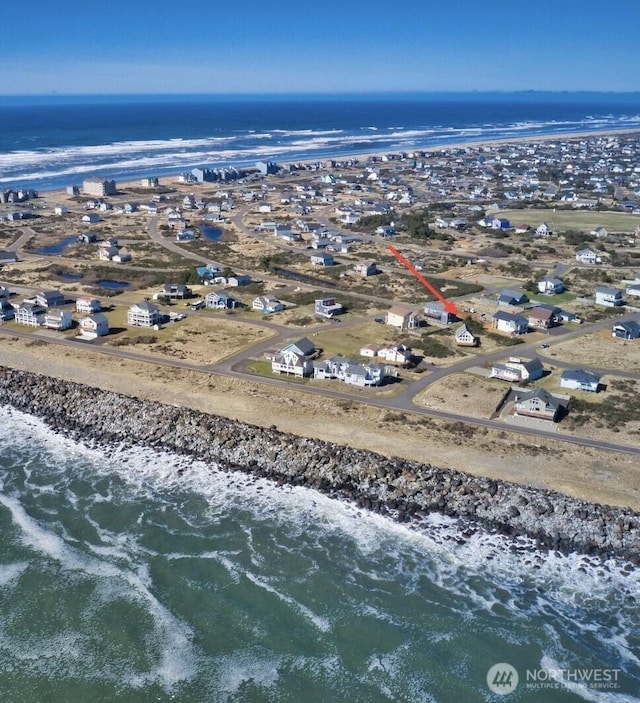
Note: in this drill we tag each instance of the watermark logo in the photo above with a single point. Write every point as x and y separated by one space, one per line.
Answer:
502 678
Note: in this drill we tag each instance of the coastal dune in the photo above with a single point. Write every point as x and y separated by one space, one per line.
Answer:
402 489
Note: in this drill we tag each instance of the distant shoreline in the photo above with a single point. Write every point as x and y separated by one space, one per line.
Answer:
130 181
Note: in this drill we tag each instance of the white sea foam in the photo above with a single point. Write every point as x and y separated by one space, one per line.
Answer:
10 572
479 572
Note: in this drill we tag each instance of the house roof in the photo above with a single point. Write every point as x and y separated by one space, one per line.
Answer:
304 346
543 395
509 317
540 313
579 375
462 331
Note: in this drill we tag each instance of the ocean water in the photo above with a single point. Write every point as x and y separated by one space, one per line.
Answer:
54 141
127 575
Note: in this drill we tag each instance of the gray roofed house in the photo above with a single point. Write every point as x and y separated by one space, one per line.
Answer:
537 403
508 322
302 347
144 314
578 379
512 297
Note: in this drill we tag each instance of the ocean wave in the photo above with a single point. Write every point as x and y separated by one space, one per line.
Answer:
53 166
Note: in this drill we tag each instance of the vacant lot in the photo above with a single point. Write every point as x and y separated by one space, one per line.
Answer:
598 350
563 220
464 394
196 340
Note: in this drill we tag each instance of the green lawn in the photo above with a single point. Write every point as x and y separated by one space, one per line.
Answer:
582 220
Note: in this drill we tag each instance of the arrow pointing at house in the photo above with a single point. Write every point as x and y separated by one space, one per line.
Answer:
449 305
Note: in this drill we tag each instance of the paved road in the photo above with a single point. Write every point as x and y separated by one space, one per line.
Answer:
233 366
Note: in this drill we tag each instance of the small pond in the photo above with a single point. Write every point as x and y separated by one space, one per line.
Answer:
111 284
212 234
59 247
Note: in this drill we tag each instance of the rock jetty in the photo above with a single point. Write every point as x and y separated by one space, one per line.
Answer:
404 490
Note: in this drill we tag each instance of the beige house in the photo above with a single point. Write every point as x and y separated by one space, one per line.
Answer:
402 318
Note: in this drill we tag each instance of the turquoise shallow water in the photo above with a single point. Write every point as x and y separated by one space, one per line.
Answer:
121 580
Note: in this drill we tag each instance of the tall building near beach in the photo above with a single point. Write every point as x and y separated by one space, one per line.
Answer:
98 187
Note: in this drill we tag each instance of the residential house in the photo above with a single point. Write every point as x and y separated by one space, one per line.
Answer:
295 359
221 300
540 318
185 235
537 403
609 297
366 268
7 311
239 280
543 230
91 218
267 304
579 380
434 310
327 307
108 253
88 305
370 350
511 297
626 330
96 325
518 370
5 293
50 298
500 223
588 256
396 353
550 286
350 372
144 314
87 238
57 320
8 256
322 259
30 314
510 323
402 318
599 232
465 338
174 291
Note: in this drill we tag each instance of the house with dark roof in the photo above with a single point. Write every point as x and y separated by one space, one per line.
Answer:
626 330
512 297
537 403
609 297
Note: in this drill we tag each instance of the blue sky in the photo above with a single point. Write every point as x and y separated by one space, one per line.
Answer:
204 46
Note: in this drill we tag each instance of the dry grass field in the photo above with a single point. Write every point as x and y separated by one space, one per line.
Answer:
598 350
584 473
465 394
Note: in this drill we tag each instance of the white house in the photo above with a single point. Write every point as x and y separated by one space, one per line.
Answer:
143 314
580 380
57 320
267 304
510 323
609 297
96 325
588 256
465 338
550 286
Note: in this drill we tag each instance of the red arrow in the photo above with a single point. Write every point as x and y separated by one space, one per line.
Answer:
449 305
